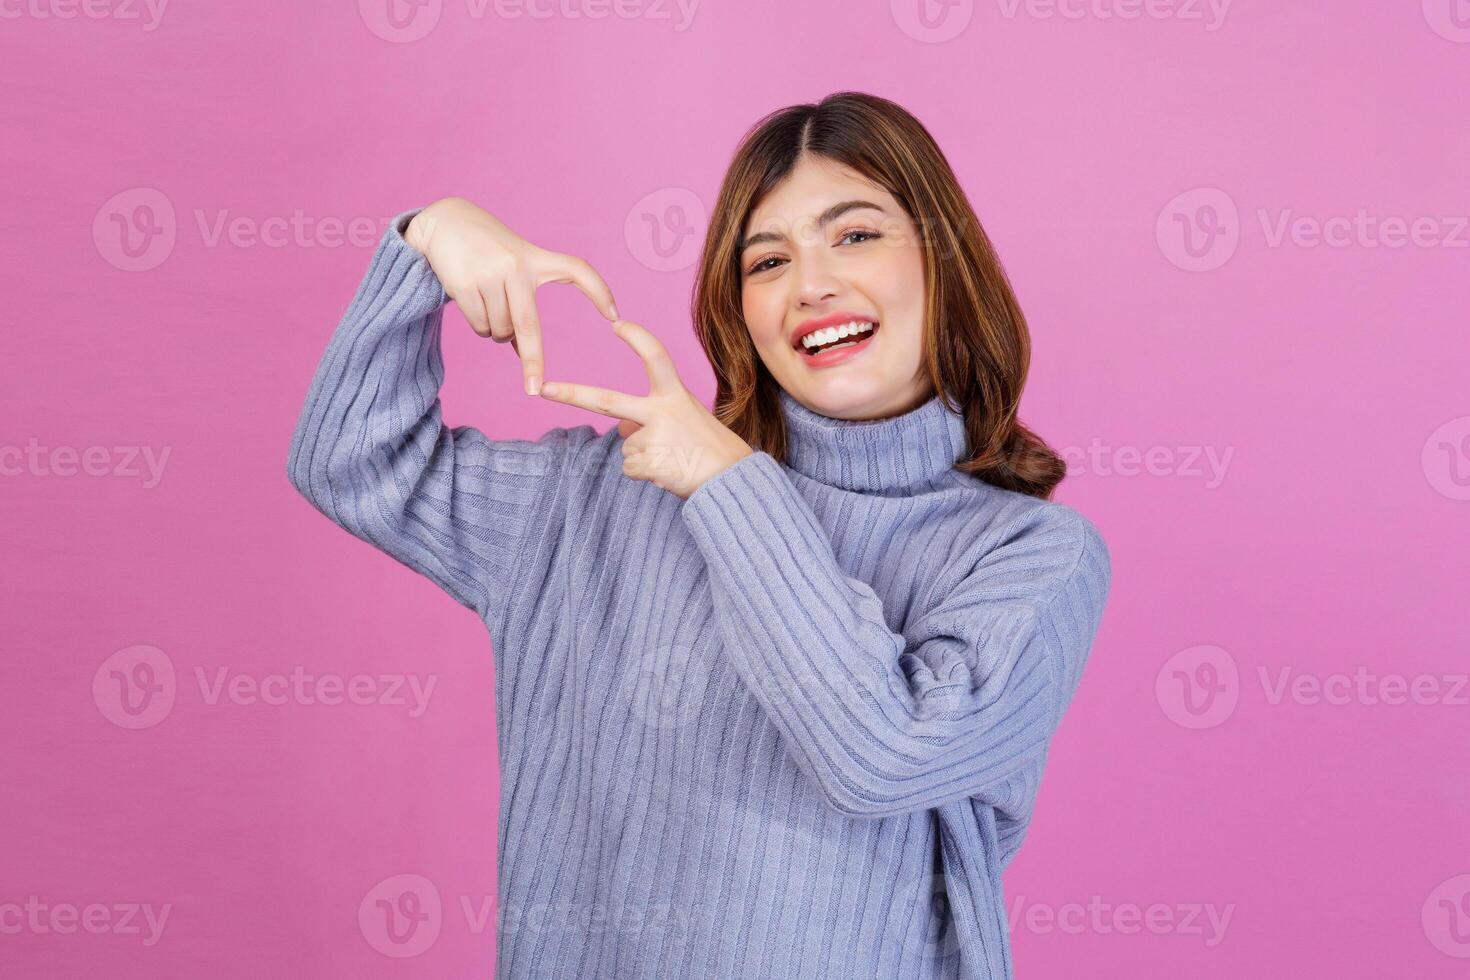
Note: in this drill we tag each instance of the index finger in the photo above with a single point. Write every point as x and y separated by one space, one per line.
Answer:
527 337
662 374
603 401
579 272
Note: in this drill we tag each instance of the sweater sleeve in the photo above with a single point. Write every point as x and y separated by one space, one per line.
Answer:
371 452
966 698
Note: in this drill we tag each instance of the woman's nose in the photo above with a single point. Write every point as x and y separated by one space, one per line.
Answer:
816 285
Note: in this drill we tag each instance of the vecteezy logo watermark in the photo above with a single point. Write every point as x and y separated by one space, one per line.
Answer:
1184 462
1200 687
664 229
932 21
1446 917
1363 686
923 920
936 21
40 918
136 230
1099 918
302 688
1363 230
1446 459
1200 230
1450 19
579 920
405 21
148 12
136 688
665 688
400 21
122 462
1210 13
401 916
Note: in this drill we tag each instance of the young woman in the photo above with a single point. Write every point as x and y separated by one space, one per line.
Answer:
775 683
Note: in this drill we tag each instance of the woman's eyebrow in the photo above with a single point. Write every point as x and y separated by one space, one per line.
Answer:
825 218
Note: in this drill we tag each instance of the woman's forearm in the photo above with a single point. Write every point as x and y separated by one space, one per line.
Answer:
371 451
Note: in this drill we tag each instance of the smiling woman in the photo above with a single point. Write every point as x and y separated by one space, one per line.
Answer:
864 256
845 212
775 682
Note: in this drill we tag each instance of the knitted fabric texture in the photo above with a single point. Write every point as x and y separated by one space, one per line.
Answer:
791 727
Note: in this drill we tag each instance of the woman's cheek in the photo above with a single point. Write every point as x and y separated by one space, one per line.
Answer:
765 328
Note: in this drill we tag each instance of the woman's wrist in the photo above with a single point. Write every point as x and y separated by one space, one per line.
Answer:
416 234
420 228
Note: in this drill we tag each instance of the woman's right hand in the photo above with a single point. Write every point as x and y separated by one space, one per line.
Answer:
492 274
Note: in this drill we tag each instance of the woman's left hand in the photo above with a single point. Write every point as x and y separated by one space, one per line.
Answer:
669 438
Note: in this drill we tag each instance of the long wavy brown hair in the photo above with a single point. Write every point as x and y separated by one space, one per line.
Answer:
977 348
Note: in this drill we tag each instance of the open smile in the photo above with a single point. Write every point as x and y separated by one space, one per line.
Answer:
833 339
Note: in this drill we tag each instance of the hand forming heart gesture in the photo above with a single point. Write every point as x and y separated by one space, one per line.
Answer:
669 438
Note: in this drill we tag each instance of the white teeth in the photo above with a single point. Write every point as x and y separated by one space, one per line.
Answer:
830 335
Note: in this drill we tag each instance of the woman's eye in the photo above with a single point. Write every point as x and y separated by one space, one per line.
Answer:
764 264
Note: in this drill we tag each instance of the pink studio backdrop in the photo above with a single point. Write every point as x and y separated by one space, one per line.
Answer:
1238 231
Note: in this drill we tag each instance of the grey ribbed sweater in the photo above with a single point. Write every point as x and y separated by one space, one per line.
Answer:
792 727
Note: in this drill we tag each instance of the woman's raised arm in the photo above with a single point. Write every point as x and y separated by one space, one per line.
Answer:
370 450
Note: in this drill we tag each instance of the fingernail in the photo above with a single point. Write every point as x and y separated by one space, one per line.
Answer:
550 388
533 385
614 311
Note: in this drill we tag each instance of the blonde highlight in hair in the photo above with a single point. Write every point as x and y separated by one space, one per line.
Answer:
971 313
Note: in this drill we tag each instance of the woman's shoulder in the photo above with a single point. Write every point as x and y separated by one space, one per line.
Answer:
1046 530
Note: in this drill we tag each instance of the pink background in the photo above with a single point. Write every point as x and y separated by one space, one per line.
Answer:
1328 382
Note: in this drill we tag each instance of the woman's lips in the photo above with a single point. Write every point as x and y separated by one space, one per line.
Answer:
839 353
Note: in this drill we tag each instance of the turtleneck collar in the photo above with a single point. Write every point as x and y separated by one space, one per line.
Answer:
897 453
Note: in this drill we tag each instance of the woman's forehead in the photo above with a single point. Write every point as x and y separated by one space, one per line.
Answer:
805 203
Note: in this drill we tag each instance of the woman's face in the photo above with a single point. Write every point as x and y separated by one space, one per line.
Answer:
824 248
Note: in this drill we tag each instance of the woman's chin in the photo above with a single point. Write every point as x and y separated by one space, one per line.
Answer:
856 397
